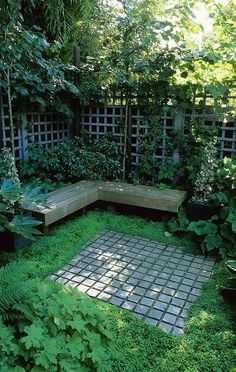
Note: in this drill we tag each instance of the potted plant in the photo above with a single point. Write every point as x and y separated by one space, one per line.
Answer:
201 206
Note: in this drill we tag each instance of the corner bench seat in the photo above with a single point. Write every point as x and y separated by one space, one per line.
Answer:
72 198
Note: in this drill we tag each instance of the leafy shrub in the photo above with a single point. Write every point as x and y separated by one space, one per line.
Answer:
219 233
74 159
62 330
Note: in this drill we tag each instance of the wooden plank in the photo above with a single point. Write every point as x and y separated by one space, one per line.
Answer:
69 206
81 185
60 196
141 196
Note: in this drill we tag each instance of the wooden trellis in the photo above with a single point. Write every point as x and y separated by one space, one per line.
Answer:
48 129
110 119
226 129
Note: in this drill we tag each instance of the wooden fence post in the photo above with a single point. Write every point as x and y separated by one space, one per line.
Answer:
178 125
24 138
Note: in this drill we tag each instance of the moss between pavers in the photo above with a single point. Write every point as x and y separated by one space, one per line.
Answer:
209 341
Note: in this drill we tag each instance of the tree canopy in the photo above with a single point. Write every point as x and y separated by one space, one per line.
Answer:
180 50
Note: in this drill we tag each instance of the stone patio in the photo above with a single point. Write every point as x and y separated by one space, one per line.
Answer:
158 282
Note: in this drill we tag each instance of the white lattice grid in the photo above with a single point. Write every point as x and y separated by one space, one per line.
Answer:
48 129
101 120
226 133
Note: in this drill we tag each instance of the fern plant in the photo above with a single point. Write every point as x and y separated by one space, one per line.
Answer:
15 287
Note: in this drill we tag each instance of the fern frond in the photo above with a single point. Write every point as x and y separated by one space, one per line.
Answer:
25 310
12 294
14 272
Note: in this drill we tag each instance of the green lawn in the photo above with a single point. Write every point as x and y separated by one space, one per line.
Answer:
209 341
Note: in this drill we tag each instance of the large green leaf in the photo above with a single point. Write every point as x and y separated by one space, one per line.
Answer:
25 226
32 197
212 241
9 190
203 227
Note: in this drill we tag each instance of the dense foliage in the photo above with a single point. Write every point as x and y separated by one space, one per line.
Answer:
163 52
73 160
31 68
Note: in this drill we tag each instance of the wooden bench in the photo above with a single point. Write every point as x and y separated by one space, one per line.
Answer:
72 198
141 196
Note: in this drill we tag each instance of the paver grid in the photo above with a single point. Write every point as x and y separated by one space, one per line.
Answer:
158 282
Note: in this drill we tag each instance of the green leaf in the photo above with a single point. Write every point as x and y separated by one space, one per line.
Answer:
25 226
48 356
77 323
76 346
184 74
3 219
23 91
203 227
9 190
35 336
212 241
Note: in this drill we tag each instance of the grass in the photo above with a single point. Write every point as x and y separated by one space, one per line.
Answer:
209 341
48 254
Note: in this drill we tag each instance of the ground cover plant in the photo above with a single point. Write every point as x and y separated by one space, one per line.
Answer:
209 340
47 328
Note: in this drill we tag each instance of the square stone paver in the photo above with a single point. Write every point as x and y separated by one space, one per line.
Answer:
159 283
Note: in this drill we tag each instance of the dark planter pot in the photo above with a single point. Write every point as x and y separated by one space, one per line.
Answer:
11 242
229 295
198 211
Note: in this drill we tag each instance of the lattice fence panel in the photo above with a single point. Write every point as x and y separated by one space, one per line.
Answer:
226 129
101 120
140 127
5 130
47 129
110 119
